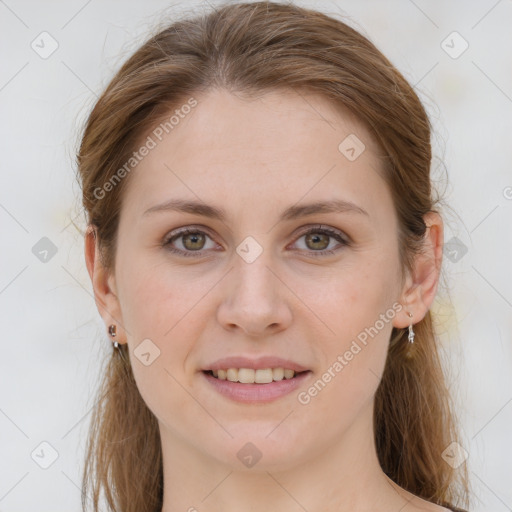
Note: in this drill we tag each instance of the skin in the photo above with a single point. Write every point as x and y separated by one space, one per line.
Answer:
255 158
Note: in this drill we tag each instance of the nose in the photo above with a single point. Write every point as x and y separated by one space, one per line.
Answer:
255 299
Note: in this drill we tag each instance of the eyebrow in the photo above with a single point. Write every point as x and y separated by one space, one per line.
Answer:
292 212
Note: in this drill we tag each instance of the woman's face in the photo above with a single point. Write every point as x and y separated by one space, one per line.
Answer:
255 284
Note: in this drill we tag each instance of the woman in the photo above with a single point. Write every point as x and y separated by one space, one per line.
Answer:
264 250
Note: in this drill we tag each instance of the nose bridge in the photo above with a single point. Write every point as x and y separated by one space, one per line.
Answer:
256 296
254 281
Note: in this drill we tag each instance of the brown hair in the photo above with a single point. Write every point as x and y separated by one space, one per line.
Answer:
252 48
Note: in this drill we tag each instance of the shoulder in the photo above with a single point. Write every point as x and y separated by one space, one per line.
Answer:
416 504
420 505
432 507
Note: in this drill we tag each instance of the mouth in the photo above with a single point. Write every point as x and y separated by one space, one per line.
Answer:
251 386
251 376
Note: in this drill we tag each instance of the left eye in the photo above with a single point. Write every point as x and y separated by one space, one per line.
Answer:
193 241
319 238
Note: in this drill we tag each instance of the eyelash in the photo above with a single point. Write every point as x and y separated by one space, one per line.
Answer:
326 231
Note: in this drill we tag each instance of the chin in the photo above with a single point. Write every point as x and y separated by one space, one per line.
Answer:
259 449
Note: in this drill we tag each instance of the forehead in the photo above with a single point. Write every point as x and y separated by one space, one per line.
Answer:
275 124
278 148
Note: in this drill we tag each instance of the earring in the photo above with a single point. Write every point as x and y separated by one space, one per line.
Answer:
113 331
411 331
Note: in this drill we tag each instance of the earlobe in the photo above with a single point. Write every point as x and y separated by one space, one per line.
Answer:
103 282
421 287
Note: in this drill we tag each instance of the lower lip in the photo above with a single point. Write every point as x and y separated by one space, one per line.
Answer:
256 392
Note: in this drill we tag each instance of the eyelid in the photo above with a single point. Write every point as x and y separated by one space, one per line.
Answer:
323 227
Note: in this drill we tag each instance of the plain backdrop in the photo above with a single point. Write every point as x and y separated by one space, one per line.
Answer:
56 58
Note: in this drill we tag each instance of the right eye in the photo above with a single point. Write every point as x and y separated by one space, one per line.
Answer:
192 242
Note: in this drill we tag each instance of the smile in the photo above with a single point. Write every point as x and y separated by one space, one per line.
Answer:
250 376
255 386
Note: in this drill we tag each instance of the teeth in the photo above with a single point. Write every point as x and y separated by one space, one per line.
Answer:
278 373
232 374
288 374
250 376
246 375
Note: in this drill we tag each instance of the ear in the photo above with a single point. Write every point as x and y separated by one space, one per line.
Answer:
421 285
103 283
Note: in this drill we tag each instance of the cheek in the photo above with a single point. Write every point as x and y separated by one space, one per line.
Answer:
354 362
165 306
149 304
156 310
347 299
154 296
356 306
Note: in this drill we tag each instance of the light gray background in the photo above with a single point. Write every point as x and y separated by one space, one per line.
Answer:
53 340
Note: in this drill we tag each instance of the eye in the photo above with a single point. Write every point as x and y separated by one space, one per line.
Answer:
192 241
318 237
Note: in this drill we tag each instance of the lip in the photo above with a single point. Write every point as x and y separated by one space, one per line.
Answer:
255 393
255 363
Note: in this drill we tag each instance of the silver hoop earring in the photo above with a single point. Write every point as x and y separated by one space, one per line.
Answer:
112 330
411 331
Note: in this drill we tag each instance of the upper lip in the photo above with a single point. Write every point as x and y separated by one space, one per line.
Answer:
255 363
